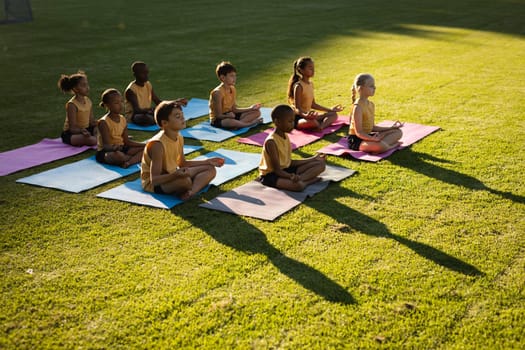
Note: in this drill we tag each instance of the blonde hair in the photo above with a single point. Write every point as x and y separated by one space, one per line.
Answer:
359 80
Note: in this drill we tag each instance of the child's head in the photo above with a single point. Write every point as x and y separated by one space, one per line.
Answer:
283 117
223 69
111 99
165 109
68 83
363 80
299 66
140 71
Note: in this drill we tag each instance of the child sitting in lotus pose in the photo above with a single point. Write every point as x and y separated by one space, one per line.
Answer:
363 134
277 169
164 169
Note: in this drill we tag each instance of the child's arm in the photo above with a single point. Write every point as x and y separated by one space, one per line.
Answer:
156 152
154 97
216 106
216 162
92 120
129 142
254 107
397 124
336 108
316 157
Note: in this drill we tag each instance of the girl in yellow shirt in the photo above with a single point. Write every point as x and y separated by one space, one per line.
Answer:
363 134
301 97
114 145
79 126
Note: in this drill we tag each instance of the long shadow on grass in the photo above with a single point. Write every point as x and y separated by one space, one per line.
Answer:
420 162
247 238
362 223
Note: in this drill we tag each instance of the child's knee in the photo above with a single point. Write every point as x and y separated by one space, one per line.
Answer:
212 172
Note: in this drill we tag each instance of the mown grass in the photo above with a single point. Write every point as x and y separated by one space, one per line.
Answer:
423 250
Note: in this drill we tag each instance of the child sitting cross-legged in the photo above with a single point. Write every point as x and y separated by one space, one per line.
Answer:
113 144
277 169
164 169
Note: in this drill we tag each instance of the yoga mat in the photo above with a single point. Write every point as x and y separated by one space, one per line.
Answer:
236 163
204 131
298 138
83 175
196 107
132 192
256 200
39 153
411 133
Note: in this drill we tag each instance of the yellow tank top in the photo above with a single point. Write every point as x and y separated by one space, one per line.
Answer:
228 96
285 153
83 112
115 132
367 122
143 94
307 97
171 159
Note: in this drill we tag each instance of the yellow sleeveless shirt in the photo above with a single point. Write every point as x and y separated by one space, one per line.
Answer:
285 154
83 113
143 94
367 122
171 159
228 96
307 97
115 132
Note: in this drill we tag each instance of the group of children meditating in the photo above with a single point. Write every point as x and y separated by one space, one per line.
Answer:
165 170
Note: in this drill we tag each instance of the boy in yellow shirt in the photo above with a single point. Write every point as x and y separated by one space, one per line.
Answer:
277 169
224 112
164 169
140 95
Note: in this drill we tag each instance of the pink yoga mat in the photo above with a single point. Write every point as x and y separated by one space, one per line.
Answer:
411 133
39 153
298 138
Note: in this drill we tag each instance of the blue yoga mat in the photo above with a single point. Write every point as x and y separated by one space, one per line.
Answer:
84 174
236 163
204 131
197 107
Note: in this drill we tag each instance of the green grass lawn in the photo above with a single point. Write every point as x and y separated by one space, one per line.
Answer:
424 250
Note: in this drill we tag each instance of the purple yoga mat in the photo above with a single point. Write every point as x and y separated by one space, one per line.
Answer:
411 133
298 138
39 153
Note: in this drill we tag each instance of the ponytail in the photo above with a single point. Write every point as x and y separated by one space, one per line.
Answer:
66 83
354 93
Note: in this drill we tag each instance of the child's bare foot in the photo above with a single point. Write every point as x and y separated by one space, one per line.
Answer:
186 195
